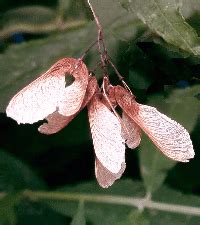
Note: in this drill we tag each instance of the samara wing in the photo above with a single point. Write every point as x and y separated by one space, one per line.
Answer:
57 122
104 177
108 143
169 136
49 93
132 134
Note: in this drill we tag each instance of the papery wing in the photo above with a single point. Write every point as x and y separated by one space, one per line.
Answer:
106 134
48 93
132 134
104 177
73 96
111 95
168 135
57 122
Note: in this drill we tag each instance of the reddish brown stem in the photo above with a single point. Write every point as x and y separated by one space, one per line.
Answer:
87 50
101 44
121 78
102 50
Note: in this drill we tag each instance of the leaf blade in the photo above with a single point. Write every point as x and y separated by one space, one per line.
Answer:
153 165
79 217
164 18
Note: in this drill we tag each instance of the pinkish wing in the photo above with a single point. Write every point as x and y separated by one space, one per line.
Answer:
169 136
48 93
132 134
106 134
57 122
104 177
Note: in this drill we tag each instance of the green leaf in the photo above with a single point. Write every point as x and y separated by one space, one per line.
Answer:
7 211
27 19
99 213
32 213
79 217
141 73
28 14
14 209
63 6
153 165
188 7
15 175
163 17
28 60
138 79
21 64
113 23
182 106
96 213
102 9
136 217
190 10
168 195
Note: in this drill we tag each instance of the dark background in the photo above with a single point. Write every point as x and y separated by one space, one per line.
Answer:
74 162
68 156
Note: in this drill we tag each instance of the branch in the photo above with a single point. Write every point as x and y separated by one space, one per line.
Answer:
53 26
101 44
111 199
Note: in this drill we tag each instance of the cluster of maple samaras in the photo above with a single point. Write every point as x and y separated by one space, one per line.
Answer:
49 98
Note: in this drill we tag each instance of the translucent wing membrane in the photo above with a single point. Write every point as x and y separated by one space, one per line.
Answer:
73 96
106 134
132 134
49 93
104 177
169 136
57 122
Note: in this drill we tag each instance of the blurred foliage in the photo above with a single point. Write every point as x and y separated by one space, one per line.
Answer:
12 171
79 217
154 165
107 214
155 45
164 18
